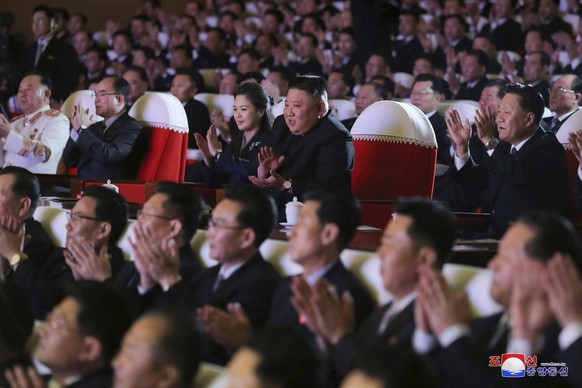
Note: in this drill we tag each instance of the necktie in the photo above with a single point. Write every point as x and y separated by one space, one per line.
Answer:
389 315
554 124
513 151
39 50
219 280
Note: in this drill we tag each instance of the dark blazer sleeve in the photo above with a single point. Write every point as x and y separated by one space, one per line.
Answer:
71 153
117 144
573 358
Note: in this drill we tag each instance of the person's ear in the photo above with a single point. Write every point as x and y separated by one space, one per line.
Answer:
24 207
427 256
92 349
104 230
261 113
248 238
329 234
176 228
169 376
529 119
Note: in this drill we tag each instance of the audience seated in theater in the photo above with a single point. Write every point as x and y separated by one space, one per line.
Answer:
535 73
368 94
95 62
184 87
50 55
122 53
15 327
574 65
420 235
161 251
212 53
242 283
551 21
137 79
36 139
95 224
248 60
506 33
110 149
525 170
565 97
239 159
279 76
307 62
483 42
473 67
339 85
408 46
82 335
18 227
272 357
162 348
535 303
347 58
375 65
311 148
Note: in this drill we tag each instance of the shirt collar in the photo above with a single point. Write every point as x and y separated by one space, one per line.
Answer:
520 144
112 119
563 117
227 272
401 304
313 277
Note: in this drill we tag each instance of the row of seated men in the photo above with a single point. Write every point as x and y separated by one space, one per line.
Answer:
89 296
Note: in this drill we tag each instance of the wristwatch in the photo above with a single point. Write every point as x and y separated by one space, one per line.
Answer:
287 184
491 144
16 258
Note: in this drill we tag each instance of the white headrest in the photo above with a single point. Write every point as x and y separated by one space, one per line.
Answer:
404 79
393 121
87 100
466 109
572 124
160 110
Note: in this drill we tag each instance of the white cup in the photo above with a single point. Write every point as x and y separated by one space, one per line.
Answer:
292 210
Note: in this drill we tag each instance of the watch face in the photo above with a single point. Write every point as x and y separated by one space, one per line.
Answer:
287 184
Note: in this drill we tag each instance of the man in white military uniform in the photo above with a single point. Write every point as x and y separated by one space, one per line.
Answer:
35 140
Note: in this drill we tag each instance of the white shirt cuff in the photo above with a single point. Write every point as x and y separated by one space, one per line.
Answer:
75 136
525 346
453 333
423 342
460 161
570 334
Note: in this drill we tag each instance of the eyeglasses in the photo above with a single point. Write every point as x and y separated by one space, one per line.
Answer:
214 224
422 92
103 94
141 213
75 217
560 89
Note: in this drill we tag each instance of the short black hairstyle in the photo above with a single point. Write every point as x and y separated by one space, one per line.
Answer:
482 58
432 225
84 18
143 76
111 207
283 71
259 97
43 77
379 89
287 359
220 31
121 86
348 31
498 83
251 52
348 78
17 317
341 209
61 12
48 11
438 84
184 204
148 52
179 342
104 314
553 234
125 33
249 76
191 75
530 99
387 83
313 85
318 20
277 14
459 18
577 85
545 59
311 38
258 210
101 54
186 49
25 185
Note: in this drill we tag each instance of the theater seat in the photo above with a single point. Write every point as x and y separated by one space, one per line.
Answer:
166 126
224 102
572 124
466 108
343 109
395 156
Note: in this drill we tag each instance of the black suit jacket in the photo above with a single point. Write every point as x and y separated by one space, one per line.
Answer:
349 123
309 66
198 120
45 283
548 121
474 93
443 141
556 25
252 286
543 87
405 55
576 70
508 36
116 154
573 356
534 178
398 334
59 61
321 158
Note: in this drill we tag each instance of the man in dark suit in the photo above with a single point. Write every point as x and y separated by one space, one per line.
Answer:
318 150
95 224
18 227
212 53
535 73
407 46
184 88
505 32
525 170
474 68
54 57
82 335
110 149
307 62
242 279
421 234
565 97
162 253
551 21
545 244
